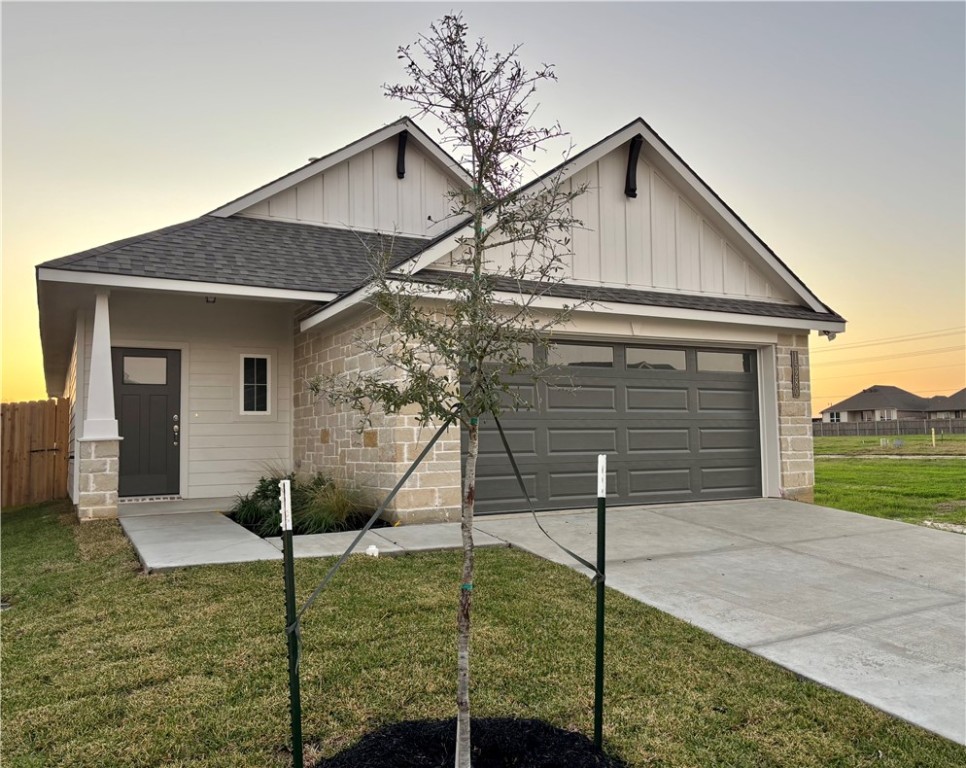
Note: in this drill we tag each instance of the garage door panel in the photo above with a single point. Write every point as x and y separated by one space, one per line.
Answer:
651 482
504 487
662 400
583 398
719 439
519 397
658 440
571 440
522 440
739 401
742 479
570 486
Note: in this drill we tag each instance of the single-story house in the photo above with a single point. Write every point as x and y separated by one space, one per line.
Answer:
881 402
947 406
186 351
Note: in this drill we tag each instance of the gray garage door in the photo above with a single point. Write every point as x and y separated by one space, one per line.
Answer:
677 424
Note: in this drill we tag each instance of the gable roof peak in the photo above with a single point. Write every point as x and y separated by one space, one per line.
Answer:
320 164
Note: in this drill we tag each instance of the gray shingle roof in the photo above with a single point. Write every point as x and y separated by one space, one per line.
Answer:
244 251
646 298
953 402
881 396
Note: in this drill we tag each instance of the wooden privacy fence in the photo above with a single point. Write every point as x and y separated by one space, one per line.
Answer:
887 428
34 443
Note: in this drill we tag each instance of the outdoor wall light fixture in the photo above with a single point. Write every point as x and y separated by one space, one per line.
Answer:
210 299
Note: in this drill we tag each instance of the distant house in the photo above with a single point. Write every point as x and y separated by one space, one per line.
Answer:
951 407
877 403
884 403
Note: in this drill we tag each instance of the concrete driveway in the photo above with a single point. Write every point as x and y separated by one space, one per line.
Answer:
873 608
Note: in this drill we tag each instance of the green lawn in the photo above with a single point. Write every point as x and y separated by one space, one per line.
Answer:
911 490
104 666
911 445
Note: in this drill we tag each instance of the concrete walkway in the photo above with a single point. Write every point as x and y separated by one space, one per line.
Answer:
870 607
180 539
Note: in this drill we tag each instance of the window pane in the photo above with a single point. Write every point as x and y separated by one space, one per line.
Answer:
260 371
581 355
255 384
659 359
725 362
145 370
524 350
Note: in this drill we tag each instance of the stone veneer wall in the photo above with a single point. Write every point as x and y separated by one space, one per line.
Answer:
97 498
795 421
327 438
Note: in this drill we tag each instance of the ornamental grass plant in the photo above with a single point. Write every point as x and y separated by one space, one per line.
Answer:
320 504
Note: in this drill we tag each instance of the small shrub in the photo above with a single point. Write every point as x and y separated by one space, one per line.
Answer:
259 511
319 505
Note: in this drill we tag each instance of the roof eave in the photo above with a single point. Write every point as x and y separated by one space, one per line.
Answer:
109 280
831 325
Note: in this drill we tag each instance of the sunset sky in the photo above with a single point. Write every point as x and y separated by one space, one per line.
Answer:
836 130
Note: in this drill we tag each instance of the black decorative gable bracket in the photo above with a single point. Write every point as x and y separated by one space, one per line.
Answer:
633 153
401 155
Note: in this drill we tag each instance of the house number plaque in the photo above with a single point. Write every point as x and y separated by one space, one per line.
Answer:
796 375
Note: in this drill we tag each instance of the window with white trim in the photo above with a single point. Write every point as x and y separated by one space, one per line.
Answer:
834 417
256 383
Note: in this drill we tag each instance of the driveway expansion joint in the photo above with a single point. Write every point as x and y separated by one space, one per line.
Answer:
845 626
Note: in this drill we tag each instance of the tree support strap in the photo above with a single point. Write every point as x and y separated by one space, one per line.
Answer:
598 576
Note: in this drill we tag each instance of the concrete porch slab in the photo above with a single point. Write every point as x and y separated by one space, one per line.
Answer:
173 506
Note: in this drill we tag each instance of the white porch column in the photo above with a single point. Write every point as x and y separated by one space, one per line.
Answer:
99 420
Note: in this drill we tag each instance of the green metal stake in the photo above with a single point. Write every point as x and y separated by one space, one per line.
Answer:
601 553
288 562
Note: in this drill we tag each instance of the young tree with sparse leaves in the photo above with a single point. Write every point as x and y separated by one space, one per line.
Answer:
446 343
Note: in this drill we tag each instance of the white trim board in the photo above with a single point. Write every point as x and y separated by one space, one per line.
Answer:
51 275
606 307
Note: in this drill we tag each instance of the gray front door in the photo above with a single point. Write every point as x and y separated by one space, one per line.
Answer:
676 424
147 402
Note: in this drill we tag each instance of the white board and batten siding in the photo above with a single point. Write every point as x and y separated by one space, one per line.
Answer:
364 193
224 452
656 241
70 392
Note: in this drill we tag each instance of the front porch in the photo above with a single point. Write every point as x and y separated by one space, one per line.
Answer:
128 508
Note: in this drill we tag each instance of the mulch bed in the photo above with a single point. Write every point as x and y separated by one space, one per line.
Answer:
498 742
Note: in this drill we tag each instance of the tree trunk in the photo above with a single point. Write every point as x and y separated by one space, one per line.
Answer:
463 743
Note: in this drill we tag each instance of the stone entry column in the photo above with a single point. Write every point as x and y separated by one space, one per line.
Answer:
98 465
99 442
